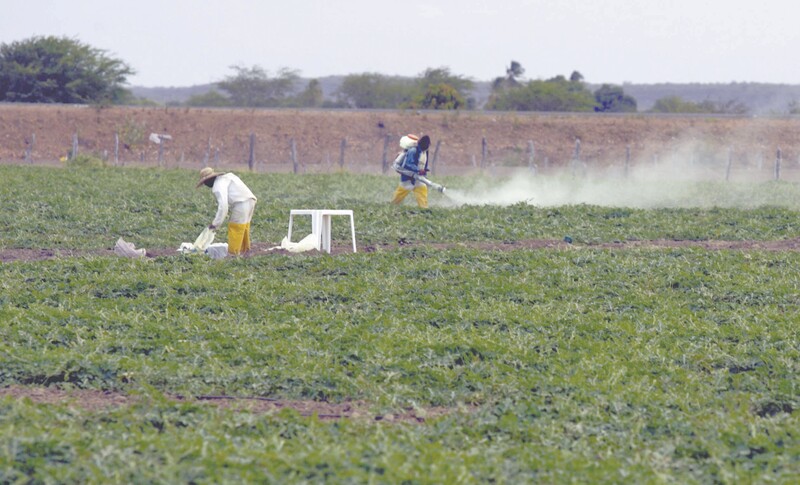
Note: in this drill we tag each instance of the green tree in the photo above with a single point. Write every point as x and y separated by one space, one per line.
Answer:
440 89
312 96
511 80
439 96
212 98
612 99
253 88
676 104
374 91
555 94
60 70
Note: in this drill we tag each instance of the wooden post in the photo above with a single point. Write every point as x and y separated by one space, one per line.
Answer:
385 159
216 157
160 152
342 149
29 149
531 157
252 158
74 146
208 153
627 160
778 165
576 157
294 155
483 152
728 167
116 148
435 155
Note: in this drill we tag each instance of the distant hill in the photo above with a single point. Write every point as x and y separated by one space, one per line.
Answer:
760 98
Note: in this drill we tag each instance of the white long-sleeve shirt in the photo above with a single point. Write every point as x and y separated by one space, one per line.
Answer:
229 189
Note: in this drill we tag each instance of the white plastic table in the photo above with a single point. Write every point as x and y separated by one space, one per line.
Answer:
321 225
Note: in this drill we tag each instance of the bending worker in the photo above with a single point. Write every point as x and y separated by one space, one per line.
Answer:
231 193
413 159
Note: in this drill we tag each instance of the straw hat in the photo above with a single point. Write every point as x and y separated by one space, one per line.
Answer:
206 174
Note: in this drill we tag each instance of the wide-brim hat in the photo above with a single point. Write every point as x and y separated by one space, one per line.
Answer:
206 174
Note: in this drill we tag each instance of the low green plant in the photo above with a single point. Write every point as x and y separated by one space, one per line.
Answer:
568 364
85 161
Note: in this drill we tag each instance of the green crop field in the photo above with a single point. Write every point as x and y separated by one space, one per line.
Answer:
574 363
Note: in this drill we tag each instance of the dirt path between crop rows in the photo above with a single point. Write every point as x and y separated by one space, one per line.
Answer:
94 400
263 249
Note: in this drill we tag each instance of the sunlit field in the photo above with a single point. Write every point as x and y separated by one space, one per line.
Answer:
603 360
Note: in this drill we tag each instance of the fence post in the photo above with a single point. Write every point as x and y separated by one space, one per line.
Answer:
116 148
435 155
294 155
778 165
252 158
483 152
342 149
74 145
576 157
627 160
730 162
29 149
160 152
208 153
385 160
531 157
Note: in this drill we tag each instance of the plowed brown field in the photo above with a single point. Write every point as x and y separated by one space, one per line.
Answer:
356 140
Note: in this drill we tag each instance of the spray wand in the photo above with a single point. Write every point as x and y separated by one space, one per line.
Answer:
421 178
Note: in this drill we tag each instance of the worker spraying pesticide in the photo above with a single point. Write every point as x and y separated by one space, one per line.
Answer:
412 165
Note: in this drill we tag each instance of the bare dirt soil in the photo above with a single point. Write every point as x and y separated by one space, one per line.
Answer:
356 140
263 249
91 400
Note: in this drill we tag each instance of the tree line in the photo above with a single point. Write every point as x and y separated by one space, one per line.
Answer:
63 70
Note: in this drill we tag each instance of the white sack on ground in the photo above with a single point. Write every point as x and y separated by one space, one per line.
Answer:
128 250
217 250
187 247
306 244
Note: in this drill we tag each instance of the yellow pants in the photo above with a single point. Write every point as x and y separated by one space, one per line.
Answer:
238 238
420 192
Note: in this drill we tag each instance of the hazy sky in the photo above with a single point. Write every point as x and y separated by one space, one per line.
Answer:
188 42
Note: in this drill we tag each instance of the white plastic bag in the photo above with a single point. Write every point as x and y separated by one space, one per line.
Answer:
306 244
204 239
128 250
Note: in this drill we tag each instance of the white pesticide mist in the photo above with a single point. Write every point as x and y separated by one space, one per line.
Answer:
680 180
